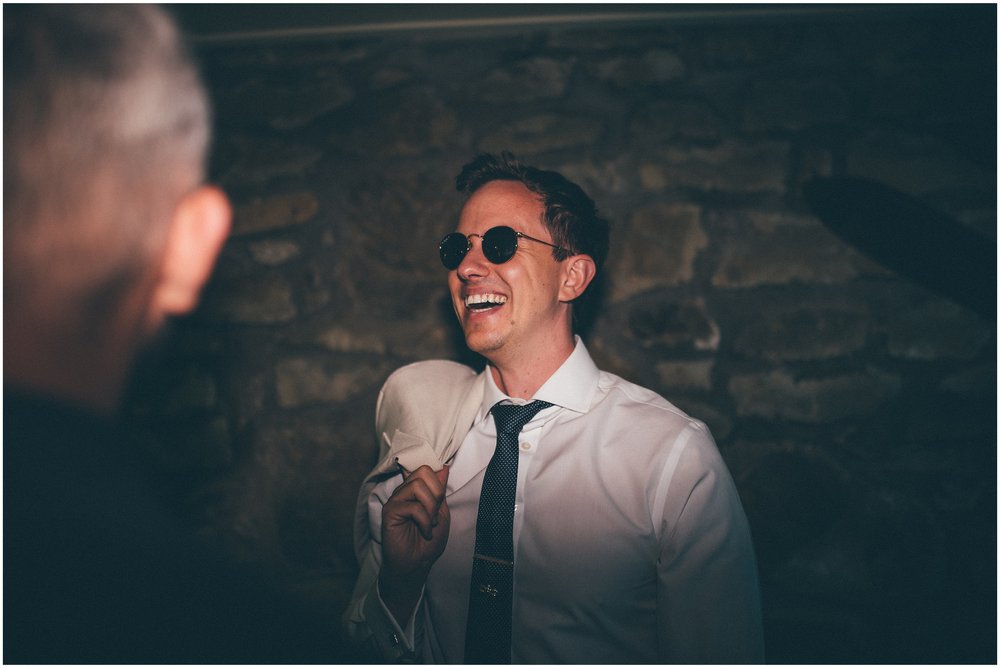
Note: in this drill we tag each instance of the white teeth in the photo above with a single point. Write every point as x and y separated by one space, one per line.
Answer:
485 299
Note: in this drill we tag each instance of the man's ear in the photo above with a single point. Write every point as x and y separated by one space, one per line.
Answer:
198 229
579 271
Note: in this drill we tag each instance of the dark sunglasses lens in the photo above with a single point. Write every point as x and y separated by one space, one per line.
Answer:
452 249
499 244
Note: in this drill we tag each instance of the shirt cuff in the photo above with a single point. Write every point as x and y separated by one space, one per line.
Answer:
407 635
391 642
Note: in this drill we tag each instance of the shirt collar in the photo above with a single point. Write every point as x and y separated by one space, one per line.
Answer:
572 386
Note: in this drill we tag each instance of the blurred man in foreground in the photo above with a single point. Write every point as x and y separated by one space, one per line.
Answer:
108 231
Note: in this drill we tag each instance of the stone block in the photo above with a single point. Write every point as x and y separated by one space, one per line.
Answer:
655 66
195 390
608 354
658 249
778 395
396 227
287 100
739 49
778 249
531 135
255 300
791 105
597 178
391 75
253 160
267 214
248 393
932 329
808 330
346 340
400 295
694 375
662 120
672 323
301 105
732 166
409 339
273 253
537 78
405 122
305 381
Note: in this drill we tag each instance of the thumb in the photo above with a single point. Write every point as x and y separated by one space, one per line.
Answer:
442 474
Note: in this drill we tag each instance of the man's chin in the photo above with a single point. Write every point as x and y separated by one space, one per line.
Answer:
483 343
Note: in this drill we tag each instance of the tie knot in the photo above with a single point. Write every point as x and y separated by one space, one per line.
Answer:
511 418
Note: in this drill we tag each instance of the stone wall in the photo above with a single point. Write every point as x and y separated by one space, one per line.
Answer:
855 409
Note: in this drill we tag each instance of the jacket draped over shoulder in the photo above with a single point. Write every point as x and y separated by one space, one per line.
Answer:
422 414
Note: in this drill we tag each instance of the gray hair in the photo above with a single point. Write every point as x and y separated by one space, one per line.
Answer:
106 126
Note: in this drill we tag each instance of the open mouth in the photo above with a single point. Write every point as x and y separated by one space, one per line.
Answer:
484 302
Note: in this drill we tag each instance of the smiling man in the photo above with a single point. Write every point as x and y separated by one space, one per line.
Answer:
576 517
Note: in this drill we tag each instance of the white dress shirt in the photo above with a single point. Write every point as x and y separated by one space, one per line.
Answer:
630 542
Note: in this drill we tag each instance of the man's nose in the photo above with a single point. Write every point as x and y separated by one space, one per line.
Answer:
474 264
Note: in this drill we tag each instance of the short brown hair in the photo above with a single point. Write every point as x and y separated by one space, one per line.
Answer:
569 213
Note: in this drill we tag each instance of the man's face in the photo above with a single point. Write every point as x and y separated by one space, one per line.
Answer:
512 310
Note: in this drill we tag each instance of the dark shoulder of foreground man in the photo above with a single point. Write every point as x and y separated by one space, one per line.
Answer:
98 570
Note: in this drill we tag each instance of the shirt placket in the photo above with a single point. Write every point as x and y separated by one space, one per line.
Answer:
527 447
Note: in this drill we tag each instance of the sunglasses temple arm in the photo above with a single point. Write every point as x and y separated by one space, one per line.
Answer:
522 234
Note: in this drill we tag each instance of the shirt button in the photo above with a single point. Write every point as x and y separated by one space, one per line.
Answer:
525 446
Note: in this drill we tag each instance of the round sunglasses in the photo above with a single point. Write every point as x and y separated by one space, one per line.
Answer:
499 245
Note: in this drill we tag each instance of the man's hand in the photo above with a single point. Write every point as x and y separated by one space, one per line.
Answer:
415 526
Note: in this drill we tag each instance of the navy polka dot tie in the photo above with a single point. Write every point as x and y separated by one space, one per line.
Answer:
487 634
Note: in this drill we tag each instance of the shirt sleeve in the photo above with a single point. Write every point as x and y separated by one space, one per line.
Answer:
708 600
370 625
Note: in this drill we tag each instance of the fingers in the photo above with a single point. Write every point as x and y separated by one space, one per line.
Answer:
433 479
406 512
419 499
